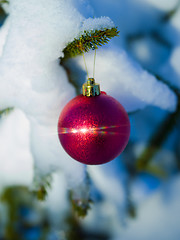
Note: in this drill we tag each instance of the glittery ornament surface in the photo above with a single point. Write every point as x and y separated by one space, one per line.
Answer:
94 130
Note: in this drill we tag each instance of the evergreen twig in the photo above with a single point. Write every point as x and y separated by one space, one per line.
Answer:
42 185
80 206
170 14
15 197
89 40
4 1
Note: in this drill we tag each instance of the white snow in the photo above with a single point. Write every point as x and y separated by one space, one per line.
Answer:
140 21
175 21
126 81
101 23
175 60
108 214
3 34
15 157
159 217
106 183
33 80
57 199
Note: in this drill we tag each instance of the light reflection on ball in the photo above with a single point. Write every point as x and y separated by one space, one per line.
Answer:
94 130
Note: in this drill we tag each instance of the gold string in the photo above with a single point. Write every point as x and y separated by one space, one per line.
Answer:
85 64
94 63
81 45
85 60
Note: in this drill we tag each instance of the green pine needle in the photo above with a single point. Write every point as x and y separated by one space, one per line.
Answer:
5 111
80 206
42 185
4 1
89 40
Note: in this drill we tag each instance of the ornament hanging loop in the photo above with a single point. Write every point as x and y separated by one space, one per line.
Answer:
94 61
81 47
90 88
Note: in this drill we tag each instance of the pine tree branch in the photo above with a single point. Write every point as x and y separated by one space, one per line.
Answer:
4 1
42 185
15 197
89 40
21 205
80 206
170 14
3 14
158 138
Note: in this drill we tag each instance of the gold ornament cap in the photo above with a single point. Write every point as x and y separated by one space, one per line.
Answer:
90 88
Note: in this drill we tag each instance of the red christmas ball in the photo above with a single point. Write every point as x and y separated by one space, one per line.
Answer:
94 130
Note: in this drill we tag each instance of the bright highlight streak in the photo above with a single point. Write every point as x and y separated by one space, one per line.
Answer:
103 130
74 131
83 130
